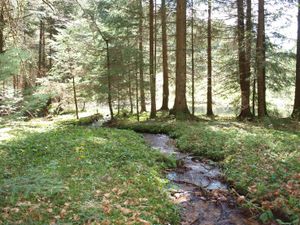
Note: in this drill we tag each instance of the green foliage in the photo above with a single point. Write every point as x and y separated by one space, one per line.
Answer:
36 105
77 174
10 62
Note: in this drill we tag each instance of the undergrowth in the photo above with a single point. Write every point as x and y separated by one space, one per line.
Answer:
79 175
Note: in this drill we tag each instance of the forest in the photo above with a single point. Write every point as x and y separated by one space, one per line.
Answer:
150 112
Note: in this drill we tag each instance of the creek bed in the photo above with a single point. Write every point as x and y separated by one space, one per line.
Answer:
199 188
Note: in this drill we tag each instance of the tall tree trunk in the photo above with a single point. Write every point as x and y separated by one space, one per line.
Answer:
165 102
137 92
118 98
209 63
130 92
193 61
2 24
141 58
260 61
109 94
152 75
44 51
50 49
249 51
296 111
75 98
244 76
41 50
254 96
180 109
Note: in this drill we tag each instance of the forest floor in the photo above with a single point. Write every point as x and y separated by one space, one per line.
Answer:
54 172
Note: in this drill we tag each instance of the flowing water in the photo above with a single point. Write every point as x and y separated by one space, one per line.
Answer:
199 188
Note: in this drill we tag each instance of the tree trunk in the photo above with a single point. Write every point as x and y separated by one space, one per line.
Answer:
193 61
260 61
248 38
141 58
165 102
109 97
137 92
152 75
75 98
2 24
244 76
130 92
209 63
41 50
296 111
118 98
180 109
254 96
50 49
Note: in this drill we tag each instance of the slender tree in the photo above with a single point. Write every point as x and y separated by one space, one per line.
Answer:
41 62
296 111
75 97
243 75
151 46
193 60
130 92
165 98
141 58
180 109
109 82
248 45
209 63
260 60
137 91
2 24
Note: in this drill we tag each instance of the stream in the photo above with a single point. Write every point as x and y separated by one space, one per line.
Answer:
199 188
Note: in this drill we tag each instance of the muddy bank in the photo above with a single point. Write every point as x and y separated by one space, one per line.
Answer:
199 188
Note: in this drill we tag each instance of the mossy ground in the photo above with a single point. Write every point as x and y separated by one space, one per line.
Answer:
66 174
260 159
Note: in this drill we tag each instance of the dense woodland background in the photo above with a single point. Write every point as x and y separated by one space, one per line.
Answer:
227 57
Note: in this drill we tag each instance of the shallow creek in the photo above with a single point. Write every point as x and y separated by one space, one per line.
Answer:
199 189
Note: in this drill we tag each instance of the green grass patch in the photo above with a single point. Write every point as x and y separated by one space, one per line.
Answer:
262 160
79 175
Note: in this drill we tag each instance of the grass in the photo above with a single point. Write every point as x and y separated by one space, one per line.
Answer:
261 160
62 174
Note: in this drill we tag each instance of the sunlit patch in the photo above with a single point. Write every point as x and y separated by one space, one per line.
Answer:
4 133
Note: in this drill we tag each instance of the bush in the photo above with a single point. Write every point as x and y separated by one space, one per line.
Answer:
36 105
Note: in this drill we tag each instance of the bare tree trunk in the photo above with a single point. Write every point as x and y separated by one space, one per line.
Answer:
118 97
75 98
180 109
260 61
152 75
141 58
193 62
137 92
2 24
209 63
109 97
50 50
296 111
130 92
41 50
244 78
165 102
254 96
